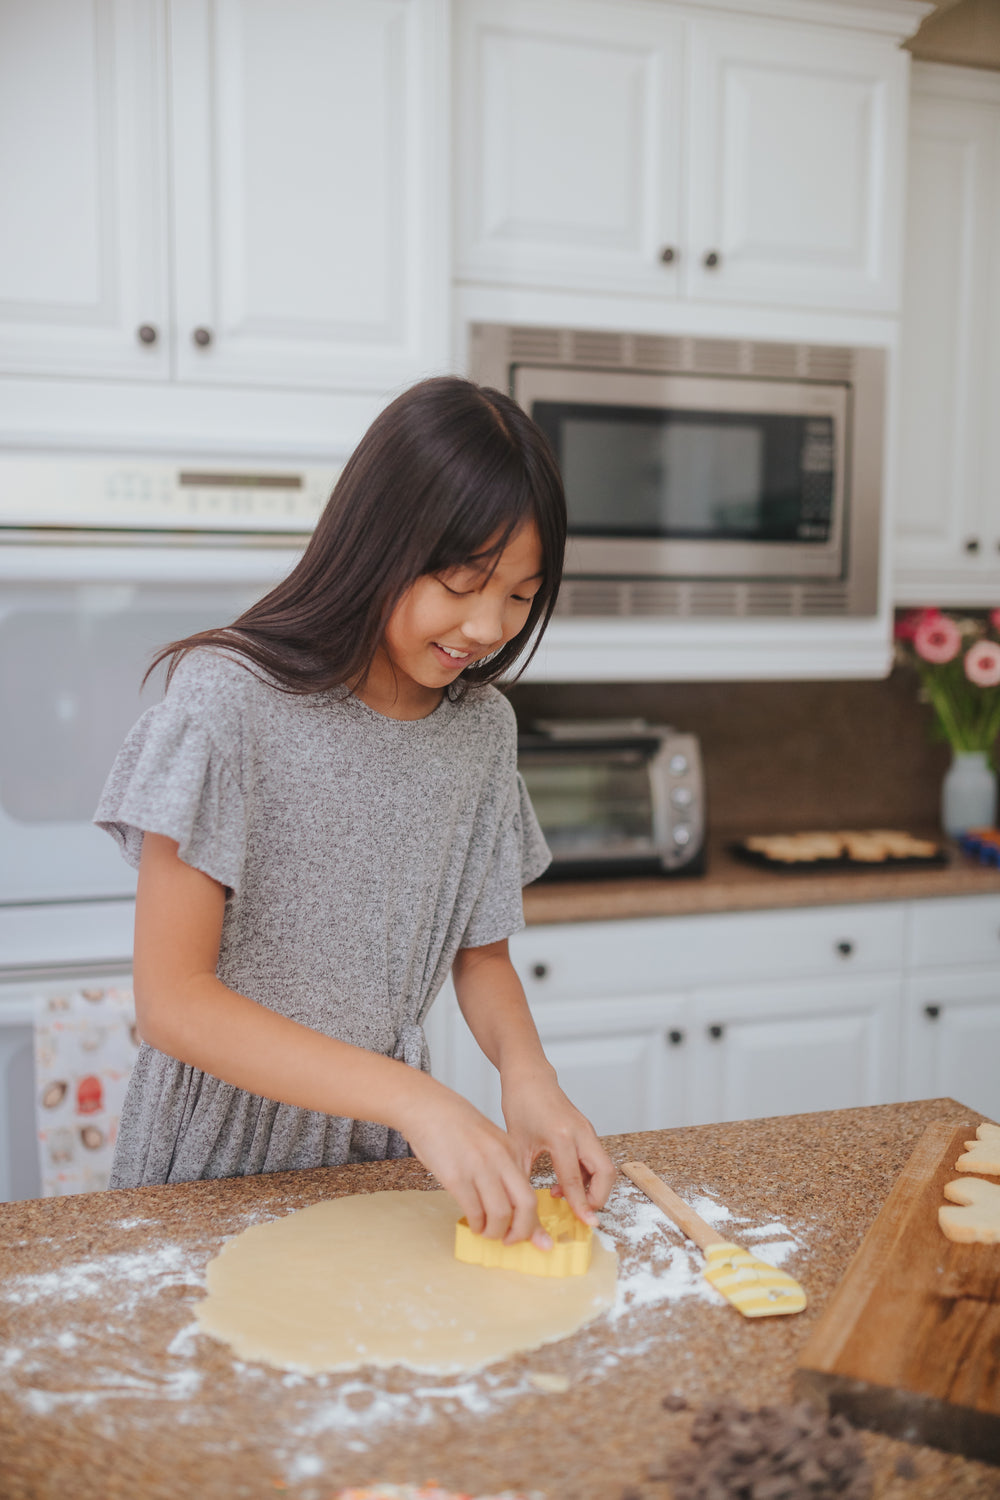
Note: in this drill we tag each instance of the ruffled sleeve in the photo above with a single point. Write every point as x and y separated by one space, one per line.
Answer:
170 778
519 856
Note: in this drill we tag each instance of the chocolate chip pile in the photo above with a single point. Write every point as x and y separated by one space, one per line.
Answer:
776 1453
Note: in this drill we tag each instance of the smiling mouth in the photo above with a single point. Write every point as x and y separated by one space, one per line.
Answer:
458 657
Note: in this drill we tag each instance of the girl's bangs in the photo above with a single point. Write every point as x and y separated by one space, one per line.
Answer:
481 523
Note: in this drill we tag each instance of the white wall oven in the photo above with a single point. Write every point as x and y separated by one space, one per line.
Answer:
752 468
101 562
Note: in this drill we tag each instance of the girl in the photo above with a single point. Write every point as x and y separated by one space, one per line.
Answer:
326 818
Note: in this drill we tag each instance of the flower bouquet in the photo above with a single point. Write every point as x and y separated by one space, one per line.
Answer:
958 663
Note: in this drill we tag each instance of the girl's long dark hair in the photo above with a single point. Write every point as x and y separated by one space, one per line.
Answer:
444 477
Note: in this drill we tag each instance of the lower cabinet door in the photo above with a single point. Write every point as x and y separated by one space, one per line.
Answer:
621 1061
794 1048
952 1039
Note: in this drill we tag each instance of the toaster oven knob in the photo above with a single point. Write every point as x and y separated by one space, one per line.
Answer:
681 796
678 765
682 834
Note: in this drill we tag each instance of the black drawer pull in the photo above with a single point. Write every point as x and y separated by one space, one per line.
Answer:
845 949
932 1012
540 971
675 1038
715 1032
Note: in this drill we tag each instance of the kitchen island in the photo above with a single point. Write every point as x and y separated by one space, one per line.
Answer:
107 1389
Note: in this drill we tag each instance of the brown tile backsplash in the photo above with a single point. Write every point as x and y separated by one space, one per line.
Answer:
784 755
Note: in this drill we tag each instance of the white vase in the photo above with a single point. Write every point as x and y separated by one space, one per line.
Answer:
968 793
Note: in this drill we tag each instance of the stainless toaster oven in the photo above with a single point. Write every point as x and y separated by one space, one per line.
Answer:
616 797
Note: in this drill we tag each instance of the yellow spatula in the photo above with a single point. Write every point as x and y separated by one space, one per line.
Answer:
755 1289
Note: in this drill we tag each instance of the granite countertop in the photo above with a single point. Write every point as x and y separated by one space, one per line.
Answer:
108 1390
731 884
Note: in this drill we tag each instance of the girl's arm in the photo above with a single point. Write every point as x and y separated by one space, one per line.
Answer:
538 1114
185 1010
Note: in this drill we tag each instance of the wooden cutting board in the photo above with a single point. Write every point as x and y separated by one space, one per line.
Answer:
910 1342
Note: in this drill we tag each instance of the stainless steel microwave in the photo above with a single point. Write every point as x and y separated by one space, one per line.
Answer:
705 476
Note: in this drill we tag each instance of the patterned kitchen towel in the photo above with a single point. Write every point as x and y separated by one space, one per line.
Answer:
85 1046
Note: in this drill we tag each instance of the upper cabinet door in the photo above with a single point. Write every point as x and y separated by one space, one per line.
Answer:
83 253
796 165
310 191
943 427
568 144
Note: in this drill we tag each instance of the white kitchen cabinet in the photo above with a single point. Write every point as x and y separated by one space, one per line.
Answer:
952 1021
948 461
568 142
952 1037
795 164
620 1060
300 150
84 253
654 150
791 1048
806 1004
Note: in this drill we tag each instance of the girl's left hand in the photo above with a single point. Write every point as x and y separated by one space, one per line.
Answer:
540 1118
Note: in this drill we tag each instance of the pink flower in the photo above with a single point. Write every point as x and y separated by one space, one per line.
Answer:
982 664
995 618
937 638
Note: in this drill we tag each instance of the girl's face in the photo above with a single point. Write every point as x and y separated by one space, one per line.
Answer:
446 621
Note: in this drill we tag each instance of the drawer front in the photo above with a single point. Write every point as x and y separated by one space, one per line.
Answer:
958 930
659 955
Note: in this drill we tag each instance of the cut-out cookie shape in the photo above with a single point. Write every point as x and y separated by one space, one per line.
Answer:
982 1154
571 1243
978 1220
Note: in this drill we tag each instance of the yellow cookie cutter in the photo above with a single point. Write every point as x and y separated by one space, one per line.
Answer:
571 1243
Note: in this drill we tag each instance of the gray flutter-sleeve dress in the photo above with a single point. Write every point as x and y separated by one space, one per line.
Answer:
359 854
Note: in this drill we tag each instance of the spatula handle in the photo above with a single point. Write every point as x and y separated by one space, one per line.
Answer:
675 1208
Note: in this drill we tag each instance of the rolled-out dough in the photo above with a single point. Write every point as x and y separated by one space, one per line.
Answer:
372 1279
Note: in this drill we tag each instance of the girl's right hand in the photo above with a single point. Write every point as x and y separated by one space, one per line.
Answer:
474 1161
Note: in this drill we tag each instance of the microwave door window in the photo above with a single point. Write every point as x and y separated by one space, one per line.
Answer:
700 476
591 808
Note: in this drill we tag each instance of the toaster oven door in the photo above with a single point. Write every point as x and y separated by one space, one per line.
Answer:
595 806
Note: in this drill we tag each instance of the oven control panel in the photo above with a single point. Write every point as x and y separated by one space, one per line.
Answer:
91 494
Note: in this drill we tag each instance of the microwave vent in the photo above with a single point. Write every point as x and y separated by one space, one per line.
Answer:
654 352
669 353
713 601
659 599
717 356
599 349
832 600
768 601
528 345
779 361
829 363
655 597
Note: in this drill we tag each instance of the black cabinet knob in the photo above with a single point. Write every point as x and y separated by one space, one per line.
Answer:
715 1032
845 949
146 333
202 337
675 1038
540 971
932 1012
972 544
711 259
668 254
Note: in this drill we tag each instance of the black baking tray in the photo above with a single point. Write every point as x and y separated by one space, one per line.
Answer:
938 861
